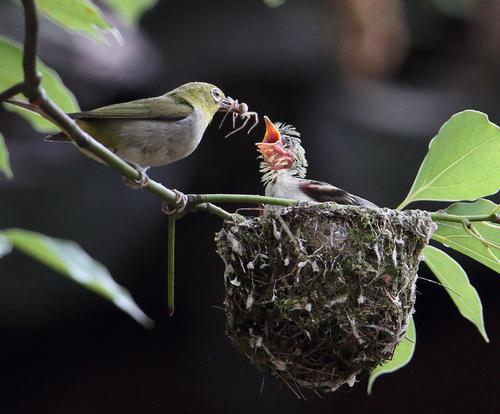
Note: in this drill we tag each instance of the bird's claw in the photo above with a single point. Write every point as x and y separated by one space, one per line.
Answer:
178 206
138 183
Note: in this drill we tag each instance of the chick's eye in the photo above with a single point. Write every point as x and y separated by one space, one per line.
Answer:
217 94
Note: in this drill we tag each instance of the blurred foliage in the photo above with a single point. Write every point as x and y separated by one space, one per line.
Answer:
454 279
11 72
4 159
69 259
454 235
462 162
274 3
402 355
78 16
131 11
457 8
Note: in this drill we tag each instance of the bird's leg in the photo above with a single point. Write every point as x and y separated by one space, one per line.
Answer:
139 183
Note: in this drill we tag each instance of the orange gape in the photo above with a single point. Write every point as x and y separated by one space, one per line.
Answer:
272 148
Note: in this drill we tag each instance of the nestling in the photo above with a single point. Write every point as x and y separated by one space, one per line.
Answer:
284 168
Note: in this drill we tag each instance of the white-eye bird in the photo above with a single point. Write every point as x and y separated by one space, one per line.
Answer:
153 131
284 168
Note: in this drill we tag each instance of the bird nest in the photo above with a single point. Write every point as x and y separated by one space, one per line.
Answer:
317 294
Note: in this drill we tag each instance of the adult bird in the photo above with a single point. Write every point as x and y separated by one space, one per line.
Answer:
284 168
153 131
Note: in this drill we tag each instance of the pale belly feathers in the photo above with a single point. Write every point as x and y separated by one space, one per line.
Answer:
286 186
152 143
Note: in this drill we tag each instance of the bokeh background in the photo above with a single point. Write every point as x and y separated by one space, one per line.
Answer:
368 83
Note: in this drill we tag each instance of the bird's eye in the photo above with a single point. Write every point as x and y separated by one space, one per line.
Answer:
217 94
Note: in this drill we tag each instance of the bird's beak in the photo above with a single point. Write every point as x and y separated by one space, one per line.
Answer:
226 104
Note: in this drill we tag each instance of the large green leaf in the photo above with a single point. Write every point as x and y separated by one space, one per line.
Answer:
131 10
4 159
402 355
454 279
11 72
69 259
462 161
455 236
78 16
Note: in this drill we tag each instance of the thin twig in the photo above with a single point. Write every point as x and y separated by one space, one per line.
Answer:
244 198
32 89
171 263
12 91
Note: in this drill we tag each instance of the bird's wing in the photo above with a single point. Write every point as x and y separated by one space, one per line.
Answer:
323 192
169 109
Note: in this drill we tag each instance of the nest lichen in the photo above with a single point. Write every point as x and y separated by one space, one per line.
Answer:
317 294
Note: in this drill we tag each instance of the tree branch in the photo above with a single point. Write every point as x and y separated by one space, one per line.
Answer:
32 79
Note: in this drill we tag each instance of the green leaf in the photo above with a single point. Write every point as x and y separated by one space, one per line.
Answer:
4 159
462 161
131 11
455 281
11 72
5 245
78 16
69 259
402 355
455 236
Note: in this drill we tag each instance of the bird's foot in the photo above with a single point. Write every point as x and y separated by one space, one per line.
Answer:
178 206
140 182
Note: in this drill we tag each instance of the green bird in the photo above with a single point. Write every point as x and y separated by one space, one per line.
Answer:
153 131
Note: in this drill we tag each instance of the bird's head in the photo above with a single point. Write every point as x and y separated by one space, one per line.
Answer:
203 96
281 149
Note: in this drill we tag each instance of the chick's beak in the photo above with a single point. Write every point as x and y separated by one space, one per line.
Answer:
272 148
272 141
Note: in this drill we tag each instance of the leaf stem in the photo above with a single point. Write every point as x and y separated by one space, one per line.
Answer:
403 204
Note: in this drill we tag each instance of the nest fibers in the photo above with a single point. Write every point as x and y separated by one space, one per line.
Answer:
316 294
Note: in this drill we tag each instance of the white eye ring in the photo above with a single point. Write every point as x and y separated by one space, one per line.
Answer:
216 94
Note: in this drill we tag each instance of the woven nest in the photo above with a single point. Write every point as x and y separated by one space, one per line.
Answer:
317 294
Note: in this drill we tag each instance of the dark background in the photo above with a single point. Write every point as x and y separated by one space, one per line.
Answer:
367 85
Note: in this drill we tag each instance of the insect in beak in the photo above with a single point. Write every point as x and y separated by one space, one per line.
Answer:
238 111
